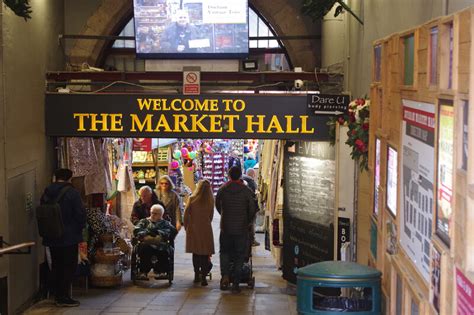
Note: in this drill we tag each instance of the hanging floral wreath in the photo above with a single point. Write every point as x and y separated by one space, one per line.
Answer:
357 120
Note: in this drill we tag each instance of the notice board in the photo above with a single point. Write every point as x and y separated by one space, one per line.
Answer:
308 215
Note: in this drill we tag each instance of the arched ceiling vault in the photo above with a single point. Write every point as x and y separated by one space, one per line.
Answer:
284 16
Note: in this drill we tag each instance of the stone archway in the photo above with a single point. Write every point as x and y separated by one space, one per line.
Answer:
283 15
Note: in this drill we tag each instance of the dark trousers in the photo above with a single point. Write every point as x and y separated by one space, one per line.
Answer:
233 248
201 264
146 253
64 265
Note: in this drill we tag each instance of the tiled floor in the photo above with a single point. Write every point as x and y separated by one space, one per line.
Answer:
270 295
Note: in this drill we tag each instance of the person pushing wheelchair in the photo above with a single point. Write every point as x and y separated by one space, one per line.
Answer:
156 236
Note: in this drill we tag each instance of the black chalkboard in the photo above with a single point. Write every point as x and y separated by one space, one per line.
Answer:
309 197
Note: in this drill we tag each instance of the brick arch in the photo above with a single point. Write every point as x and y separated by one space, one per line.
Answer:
283 15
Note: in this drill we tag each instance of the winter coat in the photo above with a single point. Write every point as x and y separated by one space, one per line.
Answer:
197 222
162 228
73 214
173 210
236 204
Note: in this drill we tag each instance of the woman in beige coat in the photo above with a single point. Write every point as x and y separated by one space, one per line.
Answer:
197 223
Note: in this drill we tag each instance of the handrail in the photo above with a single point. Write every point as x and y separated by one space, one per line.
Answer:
15 247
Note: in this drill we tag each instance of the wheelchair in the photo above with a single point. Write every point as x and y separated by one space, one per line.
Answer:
165 247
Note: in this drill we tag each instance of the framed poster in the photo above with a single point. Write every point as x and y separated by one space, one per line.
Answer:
417 183
377 176
392 167
435 283
465 135
444 200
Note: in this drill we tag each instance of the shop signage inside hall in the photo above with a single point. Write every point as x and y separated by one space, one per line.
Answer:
210 116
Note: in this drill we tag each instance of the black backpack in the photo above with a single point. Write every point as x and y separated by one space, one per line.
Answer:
48 215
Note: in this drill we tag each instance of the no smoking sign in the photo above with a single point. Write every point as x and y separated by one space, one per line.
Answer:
191 82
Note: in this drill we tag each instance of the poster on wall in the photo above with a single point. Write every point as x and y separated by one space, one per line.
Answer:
465 294
435 283
465 135
377 176
392 167
445 170
417 178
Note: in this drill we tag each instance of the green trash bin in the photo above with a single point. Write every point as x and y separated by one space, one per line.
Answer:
332 287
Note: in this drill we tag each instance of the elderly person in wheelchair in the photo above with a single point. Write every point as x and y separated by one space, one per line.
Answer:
154 238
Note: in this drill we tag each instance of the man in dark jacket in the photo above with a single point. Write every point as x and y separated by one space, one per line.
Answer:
141 208
177 36
236 204
64 250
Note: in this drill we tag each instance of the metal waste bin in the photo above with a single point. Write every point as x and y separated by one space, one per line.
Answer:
332 287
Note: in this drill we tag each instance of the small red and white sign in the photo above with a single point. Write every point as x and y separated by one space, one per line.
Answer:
142 144
191 82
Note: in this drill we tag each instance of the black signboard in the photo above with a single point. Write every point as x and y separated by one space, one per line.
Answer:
324 104
204 116
308 213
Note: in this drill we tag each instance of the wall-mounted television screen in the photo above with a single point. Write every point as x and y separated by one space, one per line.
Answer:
191 29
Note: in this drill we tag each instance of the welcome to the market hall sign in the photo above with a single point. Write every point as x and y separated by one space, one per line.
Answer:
204 116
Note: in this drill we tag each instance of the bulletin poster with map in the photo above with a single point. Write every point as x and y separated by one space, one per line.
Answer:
416 195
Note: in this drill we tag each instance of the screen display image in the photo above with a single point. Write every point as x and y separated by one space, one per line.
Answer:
197 29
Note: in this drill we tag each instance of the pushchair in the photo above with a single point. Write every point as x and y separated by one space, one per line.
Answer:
246 275
165 249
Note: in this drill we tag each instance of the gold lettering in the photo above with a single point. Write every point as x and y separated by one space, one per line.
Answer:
251 123
227 104
289 121
162 122
173 105
187 102
231 119
196 122
116 122
202 106
304 120
146 122
95 122
180 122
239 105
144 103
81 121
275 124
214 105
215 121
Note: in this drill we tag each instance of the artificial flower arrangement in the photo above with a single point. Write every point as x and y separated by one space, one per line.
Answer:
357 120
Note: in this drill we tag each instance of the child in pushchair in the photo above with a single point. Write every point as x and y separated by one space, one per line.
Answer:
153 247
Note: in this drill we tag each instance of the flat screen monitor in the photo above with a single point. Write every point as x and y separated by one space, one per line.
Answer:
191 29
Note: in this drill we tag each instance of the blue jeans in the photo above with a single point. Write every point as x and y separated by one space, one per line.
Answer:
233 248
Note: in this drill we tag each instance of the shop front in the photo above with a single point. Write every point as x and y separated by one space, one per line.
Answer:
142 137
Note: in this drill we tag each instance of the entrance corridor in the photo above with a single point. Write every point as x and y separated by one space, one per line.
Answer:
270 295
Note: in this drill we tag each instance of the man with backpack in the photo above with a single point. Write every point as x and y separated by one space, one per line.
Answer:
61 218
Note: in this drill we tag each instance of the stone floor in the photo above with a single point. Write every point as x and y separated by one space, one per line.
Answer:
270 295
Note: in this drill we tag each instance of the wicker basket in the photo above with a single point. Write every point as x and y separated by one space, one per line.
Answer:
103 258
111 281
124 247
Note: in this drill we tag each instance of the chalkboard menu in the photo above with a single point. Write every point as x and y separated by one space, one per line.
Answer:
309 198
